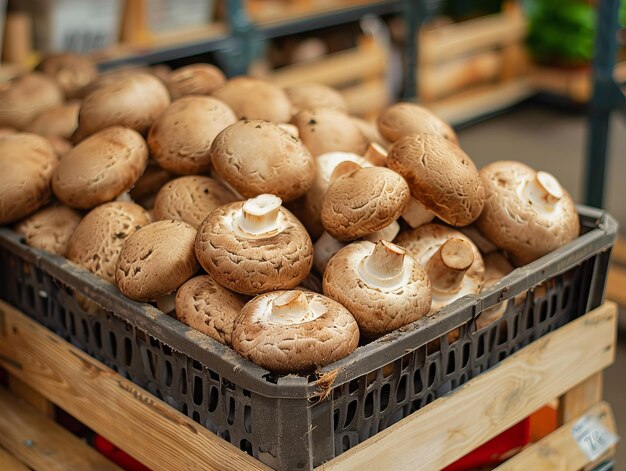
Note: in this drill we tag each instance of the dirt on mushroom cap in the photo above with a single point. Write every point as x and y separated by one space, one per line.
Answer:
441 177
98 239
295 348
257 157
254 265
516 226
28 162
180 139
208 307
364 201
191 199
156 260
50 229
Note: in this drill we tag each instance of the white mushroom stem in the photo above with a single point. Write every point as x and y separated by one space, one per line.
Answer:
291 129
384 267
259 215
167 303
544 190
447 267
416 214
292 307
124 197
388 233
376 154
323 250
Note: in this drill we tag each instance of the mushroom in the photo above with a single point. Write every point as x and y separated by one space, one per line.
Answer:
97 241
25 97
363 201
527 213
100 168
324 249
61 146
324 130
290 128
27 162
72 72
453 263
294 331
387 233
441 177
148 185
496 268
190 199
380 284
257 157
60 120
376 154
208 307
180 139
309 95
194 79
408 119
310 209
483 244
156 260
370 132
254 246
135 101
416 214
50 228
252 98
6 131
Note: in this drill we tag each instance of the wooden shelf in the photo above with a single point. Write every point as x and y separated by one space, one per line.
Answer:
562 363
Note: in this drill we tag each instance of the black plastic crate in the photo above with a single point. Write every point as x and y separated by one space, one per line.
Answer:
295 422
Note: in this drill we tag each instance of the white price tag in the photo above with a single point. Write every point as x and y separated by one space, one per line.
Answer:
592 437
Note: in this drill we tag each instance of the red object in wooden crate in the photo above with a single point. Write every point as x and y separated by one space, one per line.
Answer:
119 457
496 450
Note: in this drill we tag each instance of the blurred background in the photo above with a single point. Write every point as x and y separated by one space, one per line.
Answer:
520 80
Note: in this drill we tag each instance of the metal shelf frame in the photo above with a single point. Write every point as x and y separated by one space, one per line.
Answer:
607 97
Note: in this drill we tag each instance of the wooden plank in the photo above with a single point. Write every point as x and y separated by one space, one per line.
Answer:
128 416
482 100
452 426
580 398
616 284
573 84
41 443
266 12
9 462
559 450
22 390
457 39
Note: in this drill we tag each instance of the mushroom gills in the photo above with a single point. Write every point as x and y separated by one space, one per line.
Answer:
292 307
384 268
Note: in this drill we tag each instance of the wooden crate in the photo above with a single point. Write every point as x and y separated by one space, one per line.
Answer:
565 364
474 67
360 74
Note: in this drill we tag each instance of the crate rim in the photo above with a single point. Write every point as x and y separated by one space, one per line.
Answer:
228 363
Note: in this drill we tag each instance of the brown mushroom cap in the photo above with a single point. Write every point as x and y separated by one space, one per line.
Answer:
194 79
6 131
370 132
191 199
294 331
408 119
50 228
441 177
363 201
452 261
308 96
135 101
208 307
255 246
180 139
327 130
252 98
527 213
496 268
25 97
156 260
72 72
100 168
61 146
380 284
60 120
98 239
27 162
257 157
148 185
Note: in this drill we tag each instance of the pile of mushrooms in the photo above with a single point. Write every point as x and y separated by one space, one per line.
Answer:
268 219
